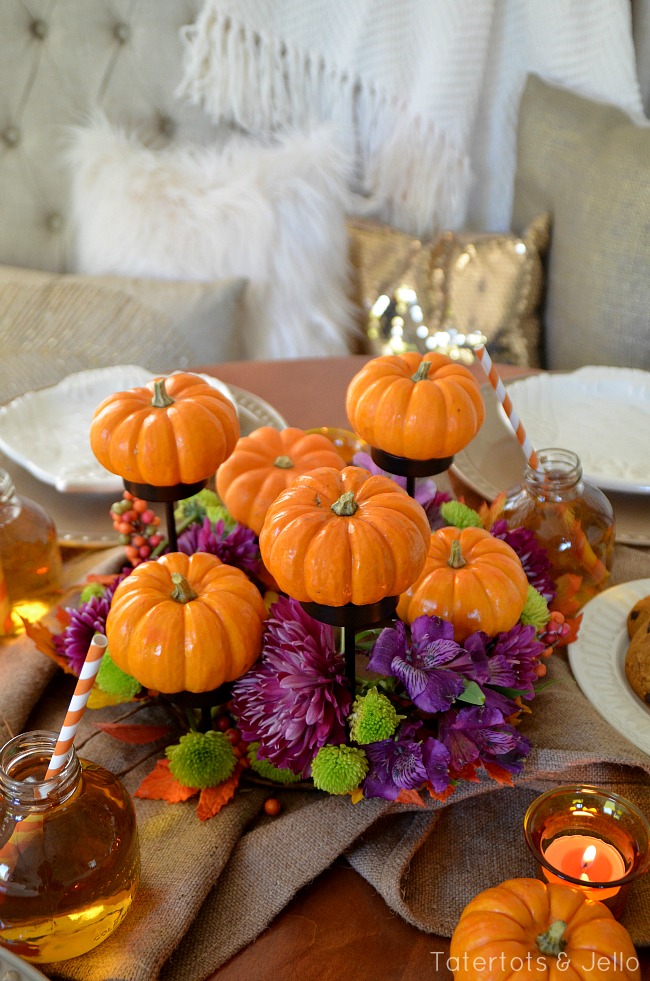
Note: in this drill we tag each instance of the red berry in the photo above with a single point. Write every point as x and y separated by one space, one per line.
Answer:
155 540
139 505
272 806
223 722
232 735
147 517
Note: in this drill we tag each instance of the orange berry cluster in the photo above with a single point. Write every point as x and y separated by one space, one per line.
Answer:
137 526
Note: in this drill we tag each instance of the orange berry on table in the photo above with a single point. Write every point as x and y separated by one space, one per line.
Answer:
272 806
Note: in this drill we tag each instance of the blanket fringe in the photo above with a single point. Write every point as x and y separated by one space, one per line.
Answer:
408 172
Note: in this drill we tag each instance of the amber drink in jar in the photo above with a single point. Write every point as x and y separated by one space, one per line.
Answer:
69 855
572 519
29 550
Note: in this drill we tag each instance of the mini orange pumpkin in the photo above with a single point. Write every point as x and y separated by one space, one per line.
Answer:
525 929
471 579
343 536
185 623
420 408
265 463
174 430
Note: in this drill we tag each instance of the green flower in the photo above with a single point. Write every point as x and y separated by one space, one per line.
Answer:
113 681
535 612
373 718
339 769
459 515
204 504
268 770
90 590
201 759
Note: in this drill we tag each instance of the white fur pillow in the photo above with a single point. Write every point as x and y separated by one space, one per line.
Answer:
272 213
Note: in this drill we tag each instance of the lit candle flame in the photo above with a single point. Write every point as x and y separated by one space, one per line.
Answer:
588 857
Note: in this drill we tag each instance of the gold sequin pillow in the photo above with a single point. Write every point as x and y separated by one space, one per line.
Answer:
464 289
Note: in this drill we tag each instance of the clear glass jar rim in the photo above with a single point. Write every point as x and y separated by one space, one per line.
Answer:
556 456
36 743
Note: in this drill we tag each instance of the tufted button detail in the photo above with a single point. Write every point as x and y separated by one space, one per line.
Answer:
11 136
39 29
167 126
54 222
122 32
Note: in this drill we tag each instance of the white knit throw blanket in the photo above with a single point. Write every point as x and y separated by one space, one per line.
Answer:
424 91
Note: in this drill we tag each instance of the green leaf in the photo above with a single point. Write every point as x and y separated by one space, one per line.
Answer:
472 694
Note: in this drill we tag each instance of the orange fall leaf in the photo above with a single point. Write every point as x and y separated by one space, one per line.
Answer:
161 784
499 773
133 733
212 799
409 797
44 642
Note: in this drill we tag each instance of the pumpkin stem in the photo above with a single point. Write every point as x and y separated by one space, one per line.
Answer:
183 592
160 398
284 462
456 560
346 505
422 372
552 942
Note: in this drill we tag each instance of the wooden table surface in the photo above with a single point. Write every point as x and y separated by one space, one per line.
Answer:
338 927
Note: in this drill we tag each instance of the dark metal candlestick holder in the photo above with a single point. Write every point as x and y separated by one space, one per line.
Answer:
404 467
169 496
351 618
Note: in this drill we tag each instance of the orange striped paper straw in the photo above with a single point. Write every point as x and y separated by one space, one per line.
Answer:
506 402
77 705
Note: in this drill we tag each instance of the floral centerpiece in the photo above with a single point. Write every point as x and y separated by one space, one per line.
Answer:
434 696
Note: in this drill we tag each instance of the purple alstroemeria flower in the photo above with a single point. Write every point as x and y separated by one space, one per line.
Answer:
533 557
478 734
238 548
297 697
433 668
426 491
405 763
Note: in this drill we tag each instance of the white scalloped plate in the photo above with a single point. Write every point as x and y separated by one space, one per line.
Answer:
46 431
597 659
601 413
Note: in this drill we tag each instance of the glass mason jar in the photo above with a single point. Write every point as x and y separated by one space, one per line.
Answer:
572 520
29 550
69 854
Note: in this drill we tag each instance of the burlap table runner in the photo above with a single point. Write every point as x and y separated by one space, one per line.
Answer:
209 888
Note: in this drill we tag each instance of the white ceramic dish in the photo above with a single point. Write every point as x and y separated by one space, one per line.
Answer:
13 968
46 431
82 519
494 461
597 659
601 413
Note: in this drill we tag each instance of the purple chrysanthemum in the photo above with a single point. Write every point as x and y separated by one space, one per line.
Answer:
532 556
432 668
480 734
426 492
85 621
297 698
405 763
238 548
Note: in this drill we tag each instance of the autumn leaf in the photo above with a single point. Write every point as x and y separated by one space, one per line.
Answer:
130 732
161 784
356 795
498 773
212 799
409 797
106 579
44 641
467 772
443 795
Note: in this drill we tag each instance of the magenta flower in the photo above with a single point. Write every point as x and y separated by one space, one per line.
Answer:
238 548
85 621
433 668
534 559
405 763
297 698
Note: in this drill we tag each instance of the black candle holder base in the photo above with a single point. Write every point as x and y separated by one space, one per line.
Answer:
405 467
352 618
167 495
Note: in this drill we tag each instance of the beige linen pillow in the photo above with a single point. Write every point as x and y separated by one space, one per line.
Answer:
463 289
52 325
589 165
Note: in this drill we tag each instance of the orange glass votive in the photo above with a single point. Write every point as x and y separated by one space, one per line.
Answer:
591 839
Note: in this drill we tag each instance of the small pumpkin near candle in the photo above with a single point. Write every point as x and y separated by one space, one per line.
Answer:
524 928
185 623
470 578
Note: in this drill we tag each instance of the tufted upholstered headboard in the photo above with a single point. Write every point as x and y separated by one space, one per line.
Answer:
59 59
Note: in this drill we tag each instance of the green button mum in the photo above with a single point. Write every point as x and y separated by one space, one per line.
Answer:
201 759
339 769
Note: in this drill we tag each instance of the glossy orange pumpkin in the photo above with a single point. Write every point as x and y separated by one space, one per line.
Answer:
471 579
527 929
417 407
174 430
185 623
343 536
265 463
